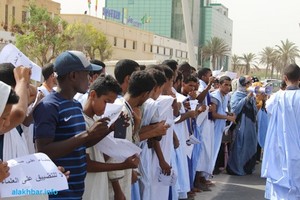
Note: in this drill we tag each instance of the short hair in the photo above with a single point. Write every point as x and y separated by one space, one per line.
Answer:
223 79
203 71
171 63
158 76
283 84
179 77
190 78
142 67
140 82
125 68
105 84
169 73
292 72
7 74
13 98
47 70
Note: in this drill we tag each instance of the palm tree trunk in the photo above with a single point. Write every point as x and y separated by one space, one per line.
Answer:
272 70
267 70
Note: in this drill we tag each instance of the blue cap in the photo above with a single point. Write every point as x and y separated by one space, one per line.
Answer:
70 61
96 68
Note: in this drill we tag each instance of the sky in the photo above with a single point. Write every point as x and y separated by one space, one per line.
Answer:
256 23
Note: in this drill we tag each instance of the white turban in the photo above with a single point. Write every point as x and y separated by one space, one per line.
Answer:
4 91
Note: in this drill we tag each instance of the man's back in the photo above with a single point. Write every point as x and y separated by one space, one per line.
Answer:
281 160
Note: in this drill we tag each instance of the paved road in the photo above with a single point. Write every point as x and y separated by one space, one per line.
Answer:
250 187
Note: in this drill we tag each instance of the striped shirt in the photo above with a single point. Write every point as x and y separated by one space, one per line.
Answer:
60 119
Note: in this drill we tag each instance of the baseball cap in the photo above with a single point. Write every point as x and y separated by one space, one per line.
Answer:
70 61
96 68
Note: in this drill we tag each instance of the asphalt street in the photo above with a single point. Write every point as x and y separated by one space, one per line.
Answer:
228 187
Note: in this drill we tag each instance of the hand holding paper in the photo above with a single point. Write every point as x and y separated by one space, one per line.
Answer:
11 54
119 149
112 111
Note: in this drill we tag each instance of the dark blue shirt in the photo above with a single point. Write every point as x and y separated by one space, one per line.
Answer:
60 119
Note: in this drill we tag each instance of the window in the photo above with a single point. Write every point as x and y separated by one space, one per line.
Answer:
161 50
167 51
125 41
134 45
115 41
6 14
13 14
24 14
178 53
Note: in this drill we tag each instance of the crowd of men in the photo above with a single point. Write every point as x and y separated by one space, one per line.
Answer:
179 117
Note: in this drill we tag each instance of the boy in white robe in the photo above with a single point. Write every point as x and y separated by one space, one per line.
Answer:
103 90
203 162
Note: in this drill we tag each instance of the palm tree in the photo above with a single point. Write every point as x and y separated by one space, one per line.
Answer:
215 49
288 52
248 59
267 57
236 62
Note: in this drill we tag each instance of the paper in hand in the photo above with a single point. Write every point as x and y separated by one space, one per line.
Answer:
112 111
11 54
226 128
192 140
168 180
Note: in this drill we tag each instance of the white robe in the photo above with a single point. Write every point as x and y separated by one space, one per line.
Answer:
160 191
205 161
281 160
180 157
219 123
150 115
96 184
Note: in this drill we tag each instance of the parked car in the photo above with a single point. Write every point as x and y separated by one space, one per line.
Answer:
275 83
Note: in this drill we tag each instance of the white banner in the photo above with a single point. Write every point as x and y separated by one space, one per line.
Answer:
34 174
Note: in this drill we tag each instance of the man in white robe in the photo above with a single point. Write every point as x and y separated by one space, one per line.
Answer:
220 100
203 157
281 160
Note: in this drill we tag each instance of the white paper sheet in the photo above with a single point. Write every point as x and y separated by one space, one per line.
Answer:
35 173
181 98
226 128
119 149
192 140
11 54
193 104
232 75
112 111
168 180
216 73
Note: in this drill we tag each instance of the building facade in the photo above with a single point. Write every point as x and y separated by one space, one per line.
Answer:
165 18
128 40
215 23
154 16
134 43
15 12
